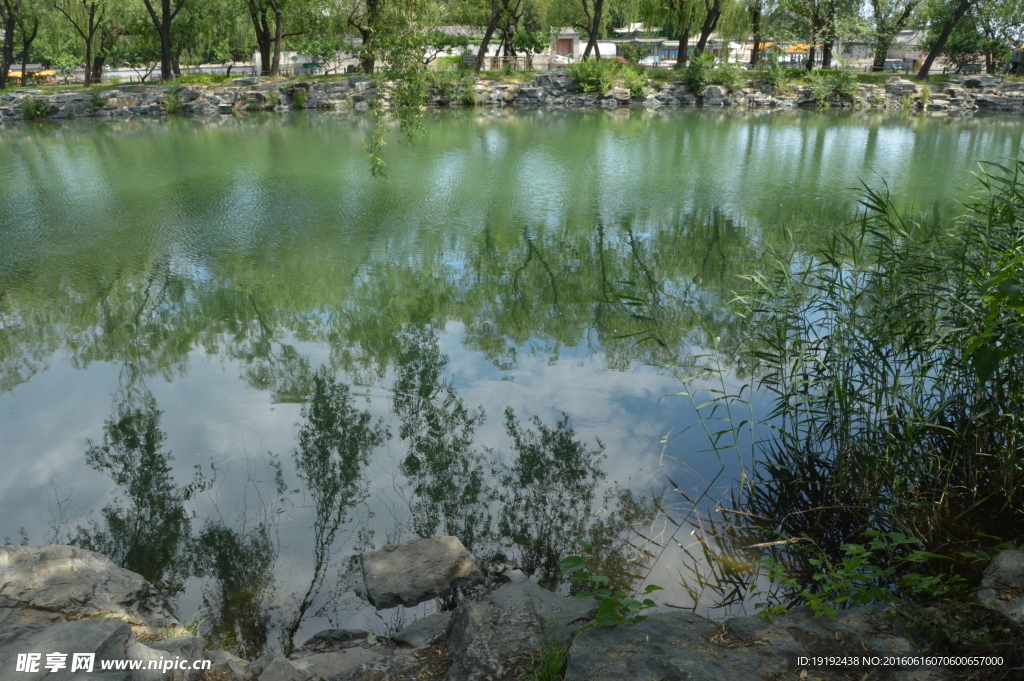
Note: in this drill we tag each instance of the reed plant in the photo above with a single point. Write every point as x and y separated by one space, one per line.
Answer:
887 465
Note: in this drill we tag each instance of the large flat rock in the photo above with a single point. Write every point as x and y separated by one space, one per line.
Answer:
105 639
1002 585
43 585
414 572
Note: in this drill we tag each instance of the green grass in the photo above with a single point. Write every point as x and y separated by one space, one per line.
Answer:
202 79
549 665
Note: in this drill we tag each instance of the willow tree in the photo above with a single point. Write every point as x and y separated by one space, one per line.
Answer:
888 18
86 17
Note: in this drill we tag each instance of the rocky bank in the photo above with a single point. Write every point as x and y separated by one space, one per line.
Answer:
549 90
60 598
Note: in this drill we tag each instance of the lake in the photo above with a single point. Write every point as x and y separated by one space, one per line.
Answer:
230 358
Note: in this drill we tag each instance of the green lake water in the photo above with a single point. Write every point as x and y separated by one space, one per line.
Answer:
202 323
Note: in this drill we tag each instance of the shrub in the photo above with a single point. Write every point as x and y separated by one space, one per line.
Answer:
827 84
698 73
635 80
299 98
450 64
114 80
35 109
202 79
594 75
728 76
452 85
172 103
775 75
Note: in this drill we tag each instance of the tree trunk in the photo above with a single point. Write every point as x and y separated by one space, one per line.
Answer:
9 10
710 23
684 44
826 54
961 9
26 44
88 62
258 13
97 67
275 66
492 26
593 28
162 23
755 49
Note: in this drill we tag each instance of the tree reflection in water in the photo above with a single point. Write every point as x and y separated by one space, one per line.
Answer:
240 568
147 529
450 488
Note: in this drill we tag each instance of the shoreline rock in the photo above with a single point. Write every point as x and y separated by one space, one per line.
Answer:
552 90
497 634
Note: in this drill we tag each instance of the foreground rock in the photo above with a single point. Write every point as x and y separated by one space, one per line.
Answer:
493 637
42 586
681 646
417 571
1002 586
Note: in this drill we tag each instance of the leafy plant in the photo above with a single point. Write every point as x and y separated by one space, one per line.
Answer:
614 608
879 571
594 75
728 76
202 79
776 76
64 64
698 73
550 663
172 103
634 79
35 109
827 84
299 97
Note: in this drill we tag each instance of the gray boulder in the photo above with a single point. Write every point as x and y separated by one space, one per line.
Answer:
490 638
410 573
329 665
681 646
228 666
247 81
184 648
330 640
40 586
106 639
670 646
425 630
1002 585
276 667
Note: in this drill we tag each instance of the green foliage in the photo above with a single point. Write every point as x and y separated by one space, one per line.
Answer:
550 663
632 53
594 75
698 74
450 63
634 79
775 75
299 97
64 64
728 76
34 109
879 571
452 85
613 607
202 79
827 84
172 103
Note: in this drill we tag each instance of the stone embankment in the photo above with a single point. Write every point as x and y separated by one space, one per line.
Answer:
64 599
550 90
